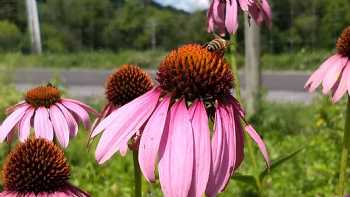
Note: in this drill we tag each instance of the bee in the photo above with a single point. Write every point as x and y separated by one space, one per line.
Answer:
218 44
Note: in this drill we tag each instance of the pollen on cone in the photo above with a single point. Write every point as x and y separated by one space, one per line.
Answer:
343 43
35 166
43 96
126 84
194 72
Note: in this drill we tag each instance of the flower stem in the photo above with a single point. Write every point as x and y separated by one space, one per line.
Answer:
233 61
345 153
137 175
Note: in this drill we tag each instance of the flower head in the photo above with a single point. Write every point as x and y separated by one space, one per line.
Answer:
122 86
335 71
37 167
47 112
126 84
223 14
194 88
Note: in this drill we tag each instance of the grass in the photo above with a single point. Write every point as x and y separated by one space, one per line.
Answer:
301 60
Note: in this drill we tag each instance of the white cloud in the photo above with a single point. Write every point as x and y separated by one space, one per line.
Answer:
187 5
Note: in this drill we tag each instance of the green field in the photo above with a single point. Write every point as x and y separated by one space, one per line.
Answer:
302 60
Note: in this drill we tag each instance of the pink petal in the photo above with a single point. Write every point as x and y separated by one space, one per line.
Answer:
42 124
244 5
11 121
220 157
231 20
316 78
202 150
105 112
11 109
176 164
24 125
111 118
85 106
128 119
150 139
60 125
332 75
79 111
267 12
72 124
239 134
343 84
255 136
210 19
124 150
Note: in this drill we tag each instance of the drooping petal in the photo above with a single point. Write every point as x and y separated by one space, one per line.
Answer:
202 150
60 125
150 139
112 116
342 87
124 149
79 112
105 112
176 164
85 106
42 124
239 135
332 75
210 18
72 124
11 109
128 120
220 157
266 9
231 20
316 78
244 5
255 136
11 121
24 125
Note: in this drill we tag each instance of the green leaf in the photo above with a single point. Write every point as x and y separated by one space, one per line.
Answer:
248 179
278 162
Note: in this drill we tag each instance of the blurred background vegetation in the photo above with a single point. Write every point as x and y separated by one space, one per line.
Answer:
95 29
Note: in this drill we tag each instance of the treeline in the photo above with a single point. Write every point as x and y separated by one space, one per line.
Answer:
71 25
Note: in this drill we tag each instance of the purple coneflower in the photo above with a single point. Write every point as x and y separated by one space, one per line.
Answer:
48 113
37 168
223 14
194 89
334 73
124 85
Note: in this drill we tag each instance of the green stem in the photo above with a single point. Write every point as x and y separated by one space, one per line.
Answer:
345 153
137 176
237 87
233 61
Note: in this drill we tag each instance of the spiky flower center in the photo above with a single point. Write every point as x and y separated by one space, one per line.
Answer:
35 166
192 71
126 84
43 96
343 43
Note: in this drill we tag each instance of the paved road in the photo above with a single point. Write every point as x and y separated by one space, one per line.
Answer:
281 86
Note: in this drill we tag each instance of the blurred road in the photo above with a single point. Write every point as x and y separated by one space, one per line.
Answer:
280 86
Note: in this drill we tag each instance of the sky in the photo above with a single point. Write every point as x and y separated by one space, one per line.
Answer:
187 5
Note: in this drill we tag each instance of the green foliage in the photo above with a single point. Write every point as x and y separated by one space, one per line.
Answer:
303 60
10 36
93 60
